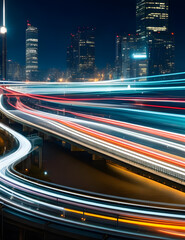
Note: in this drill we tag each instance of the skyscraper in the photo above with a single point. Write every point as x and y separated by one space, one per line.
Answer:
130 60
86 37
31 52
151 16
15 71
152 29
81 53
119 61
128 49
73 56
162 53
3 47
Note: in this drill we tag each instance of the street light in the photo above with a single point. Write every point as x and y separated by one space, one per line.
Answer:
3 30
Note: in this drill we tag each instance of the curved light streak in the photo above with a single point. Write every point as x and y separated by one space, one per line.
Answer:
99 134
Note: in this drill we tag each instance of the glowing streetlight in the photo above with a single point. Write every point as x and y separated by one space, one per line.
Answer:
3 30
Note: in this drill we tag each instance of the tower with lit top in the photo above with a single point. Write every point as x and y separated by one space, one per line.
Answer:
151 16
31 52
153 36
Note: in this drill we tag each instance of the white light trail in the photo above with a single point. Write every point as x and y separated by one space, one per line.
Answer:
91 134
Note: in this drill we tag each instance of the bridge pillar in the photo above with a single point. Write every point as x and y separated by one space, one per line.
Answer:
11 121
40 157
27 164
36 157
46 137
3 116
76 149
25 128
96 157
63 143
37 143
21 234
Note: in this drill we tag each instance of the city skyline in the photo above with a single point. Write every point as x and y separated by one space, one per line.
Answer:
92 129
151 50
59 39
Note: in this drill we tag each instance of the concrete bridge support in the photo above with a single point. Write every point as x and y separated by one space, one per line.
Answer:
96 157
11 121
76 149
36 155
27 129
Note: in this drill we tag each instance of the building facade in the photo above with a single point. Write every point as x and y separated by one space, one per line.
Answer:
31 52
118 61
162 53
15 71
152 50
152 29
73 56
151 16
81 53
128 48
86 38
131 60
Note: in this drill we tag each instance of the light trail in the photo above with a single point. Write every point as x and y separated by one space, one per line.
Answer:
120 142
105 122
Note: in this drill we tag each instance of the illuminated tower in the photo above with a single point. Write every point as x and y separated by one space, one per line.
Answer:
3 46
118 61
73 56
151 16
31 52
86 38
152 50
131 62
153 36
81 53
162 53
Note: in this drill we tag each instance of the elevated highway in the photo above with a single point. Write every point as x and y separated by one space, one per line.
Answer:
138 123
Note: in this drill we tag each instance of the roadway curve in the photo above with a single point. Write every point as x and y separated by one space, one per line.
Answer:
134 122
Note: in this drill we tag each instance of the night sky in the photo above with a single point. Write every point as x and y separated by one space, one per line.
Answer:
56 19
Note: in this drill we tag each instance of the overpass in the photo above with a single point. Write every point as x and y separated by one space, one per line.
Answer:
131 124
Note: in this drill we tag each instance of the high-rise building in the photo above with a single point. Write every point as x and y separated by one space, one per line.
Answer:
131 60
81 53
152 29
162 53
3 46
73 56
15 71
86 36
31 52
118 61
151 16
128 48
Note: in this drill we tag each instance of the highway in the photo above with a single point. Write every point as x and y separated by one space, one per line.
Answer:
137 122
